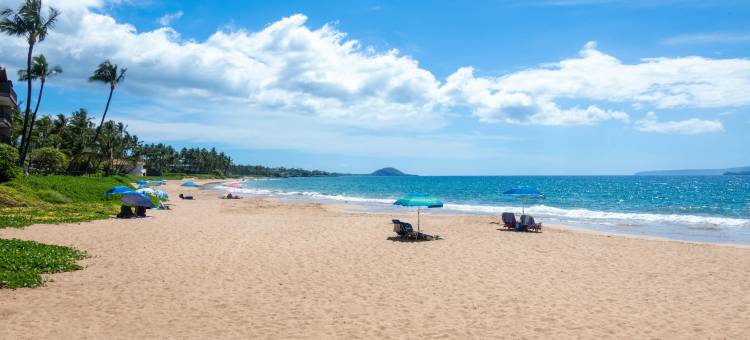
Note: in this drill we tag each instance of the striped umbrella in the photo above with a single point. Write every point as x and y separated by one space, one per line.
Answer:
419 200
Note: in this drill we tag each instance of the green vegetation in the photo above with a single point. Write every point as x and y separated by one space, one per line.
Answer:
56 199
47 161
22 262
8 160
263 171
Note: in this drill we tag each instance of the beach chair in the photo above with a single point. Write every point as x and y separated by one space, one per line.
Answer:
528 224
509 220
125 212
397 228
186 197
140 211
405 230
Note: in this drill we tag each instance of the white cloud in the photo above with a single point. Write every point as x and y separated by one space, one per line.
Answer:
494 102
692 126
167 19
595 76
320 76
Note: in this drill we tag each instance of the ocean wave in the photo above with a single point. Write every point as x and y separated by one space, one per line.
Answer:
607 217
571 215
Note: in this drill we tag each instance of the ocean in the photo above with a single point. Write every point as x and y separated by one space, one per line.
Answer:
712 209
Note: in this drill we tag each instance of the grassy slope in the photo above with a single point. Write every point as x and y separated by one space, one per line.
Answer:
56 199
48 199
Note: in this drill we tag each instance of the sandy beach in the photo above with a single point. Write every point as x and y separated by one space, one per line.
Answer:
256 268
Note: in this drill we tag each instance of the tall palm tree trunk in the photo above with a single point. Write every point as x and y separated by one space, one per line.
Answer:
106 108
33 119
22 158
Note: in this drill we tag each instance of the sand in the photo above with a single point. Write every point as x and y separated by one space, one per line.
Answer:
256 268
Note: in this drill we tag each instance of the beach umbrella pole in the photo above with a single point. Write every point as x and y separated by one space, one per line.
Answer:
418 230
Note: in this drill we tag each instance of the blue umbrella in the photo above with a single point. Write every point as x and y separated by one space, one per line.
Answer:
118 190
523 193
161 194
190 184
419 200
137 199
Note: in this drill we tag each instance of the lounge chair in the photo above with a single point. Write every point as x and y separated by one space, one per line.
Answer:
405 230
509 220
528 224
140 211
397 228
186 197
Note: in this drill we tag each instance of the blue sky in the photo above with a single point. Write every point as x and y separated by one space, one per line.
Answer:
442 87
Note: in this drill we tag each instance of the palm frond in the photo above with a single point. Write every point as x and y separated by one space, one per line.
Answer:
24 76
121 77
49 23
104 73
14 25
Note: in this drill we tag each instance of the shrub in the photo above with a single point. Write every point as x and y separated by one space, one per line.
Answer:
8 161
48 161
217 173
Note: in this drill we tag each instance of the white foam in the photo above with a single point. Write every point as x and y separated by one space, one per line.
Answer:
605 217
540 211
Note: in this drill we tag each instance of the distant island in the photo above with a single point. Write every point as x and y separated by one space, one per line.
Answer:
389 172
697 172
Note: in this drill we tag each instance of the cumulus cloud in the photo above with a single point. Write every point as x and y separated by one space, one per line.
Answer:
693 126
167 19
329 80
595 76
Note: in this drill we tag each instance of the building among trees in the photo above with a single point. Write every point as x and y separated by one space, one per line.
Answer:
8 104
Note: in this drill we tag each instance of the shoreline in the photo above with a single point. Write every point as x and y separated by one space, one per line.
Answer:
362 208
258 268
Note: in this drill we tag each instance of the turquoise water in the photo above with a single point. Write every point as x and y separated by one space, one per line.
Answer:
702 208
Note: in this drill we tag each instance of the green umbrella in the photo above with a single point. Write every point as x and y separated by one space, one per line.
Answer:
419 200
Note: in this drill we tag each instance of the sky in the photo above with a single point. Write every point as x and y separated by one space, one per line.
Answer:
558 87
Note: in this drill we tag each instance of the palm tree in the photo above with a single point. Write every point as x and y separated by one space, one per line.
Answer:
107 73
39 70
28 22
59 126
